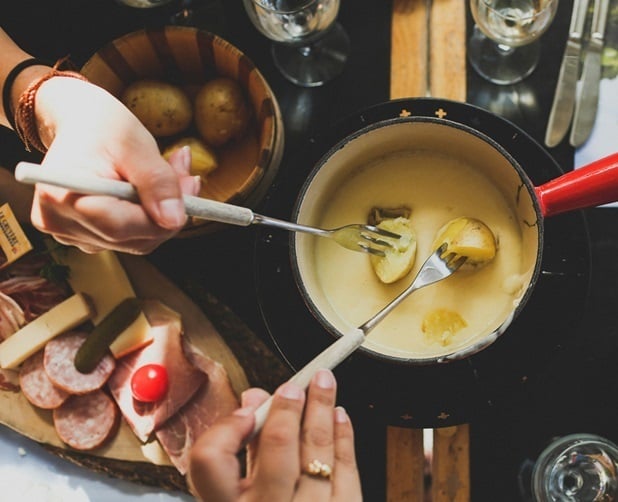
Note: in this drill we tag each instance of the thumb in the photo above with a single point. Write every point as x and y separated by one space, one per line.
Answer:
214 469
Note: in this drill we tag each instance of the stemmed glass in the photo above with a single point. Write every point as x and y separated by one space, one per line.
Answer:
310 47
577 468
504 46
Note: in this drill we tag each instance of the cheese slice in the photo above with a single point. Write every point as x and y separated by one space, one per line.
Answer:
136 336
67 315
101 276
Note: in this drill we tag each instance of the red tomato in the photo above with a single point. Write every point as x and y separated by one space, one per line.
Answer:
149 383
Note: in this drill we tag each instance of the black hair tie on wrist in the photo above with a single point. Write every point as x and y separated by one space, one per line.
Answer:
8 85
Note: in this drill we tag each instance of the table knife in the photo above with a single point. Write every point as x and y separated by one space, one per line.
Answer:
564 98
588 99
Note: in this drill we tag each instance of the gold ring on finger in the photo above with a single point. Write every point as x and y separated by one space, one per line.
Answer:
318 469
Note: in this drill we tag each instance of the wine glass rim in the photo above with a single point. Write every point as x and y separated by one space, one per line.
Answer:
266 4
544 5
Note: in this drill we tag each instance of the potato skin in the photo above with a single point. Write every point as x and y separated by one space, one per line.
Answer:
221 111
163 108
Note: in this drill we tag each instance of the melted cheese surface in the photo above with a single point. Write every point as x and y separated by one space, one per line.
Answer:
437 189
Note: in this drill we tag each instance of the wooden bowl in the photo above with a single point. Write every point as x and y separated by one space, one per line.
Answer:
188 57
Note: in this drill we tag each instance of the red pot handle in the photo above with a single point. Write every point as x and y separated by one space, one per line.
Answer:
592 185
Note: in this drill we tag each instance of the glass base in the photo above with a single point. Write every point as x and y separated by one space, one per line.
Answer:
316 64
501 64
577 468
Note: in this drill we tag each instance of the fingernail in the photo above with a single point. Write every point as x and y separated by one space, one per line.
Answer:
197 180
341 417
172 212
290 391
324 379
243 398
243 412
186 156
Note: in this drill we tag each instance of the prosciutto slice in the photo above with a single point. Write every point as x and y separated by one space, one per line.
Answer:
167 350
11 316
213 400
22 281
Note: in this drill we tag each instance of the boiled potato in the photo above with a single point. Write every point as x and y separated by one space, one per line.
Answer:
203 159
398 260
221 111
468 237
163 108
441 325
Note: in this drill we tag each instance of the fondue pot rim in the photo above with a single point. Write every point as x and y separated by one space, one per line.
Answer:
458 354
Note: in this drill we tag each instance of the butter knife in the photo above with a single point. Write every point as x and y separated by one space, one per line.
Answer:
564 98
588 99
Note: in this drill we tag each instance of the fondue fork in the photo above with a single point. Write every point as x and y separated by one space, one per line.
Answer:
365 238
437 267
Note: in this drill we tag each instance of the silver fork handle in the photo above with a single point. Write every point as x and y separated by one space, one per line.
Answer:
77 181
288 225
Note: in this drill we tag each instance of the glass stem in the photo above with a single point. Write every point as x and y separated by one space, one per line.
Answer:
504 49
306 50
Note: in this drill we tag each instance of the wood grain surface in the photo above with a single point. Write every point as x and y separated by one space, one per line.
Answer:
428 57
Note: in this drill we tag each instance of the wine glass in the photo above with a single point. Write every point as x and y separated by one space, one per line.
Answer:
204 14
504 46
310 47
577 467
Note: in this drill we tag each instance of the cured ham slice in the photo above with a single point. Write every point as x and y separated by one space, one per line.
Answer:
167 350
213 400
11 316
22 281
36 385
85 422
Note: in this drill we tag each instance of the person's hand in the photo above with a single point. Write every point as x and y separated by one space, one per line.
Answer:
295 437
87 129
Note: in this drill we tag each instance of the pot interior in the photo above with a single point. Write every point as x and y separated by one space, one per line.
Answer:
441 171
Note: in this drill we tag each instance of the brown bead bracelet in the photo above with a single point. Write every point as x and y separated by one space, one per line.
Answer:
25 118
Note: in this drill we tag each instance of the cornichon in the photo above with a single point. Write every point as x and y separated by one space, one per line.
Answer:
97 344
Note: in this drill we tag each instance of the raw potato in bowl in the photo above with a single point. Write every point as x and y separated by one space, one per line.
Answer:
221 111
163 108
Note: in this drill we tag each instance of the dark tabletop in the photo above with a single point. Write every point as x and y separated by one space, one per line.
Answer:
572 387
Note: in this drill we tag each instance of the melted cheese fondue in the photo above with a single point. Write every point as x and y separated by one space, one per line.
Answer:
437 189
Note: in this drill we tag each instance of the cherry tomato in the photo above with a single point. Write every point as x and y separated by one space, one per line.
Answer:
149 383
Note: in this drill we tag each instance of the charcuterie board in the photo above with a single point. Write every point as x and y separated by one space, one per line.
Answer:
124 456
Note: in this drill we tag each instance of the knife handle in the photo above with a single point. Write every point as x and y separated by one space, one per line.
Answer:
589 186
87 183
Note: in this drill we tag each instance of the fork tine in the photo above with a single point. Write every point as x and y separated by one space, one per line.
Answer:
368 249
376 241
456 262
381 232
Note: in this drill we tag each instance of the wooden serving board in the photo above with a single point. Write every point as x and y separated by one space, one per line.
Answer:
124 456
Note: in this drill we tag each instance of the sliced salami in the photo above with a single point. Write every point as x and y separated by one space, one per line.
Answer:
60 367
36 385
85 422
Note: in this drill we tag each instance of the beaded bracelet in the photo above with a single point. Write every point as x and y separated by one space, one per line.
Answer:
25 117
8 86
